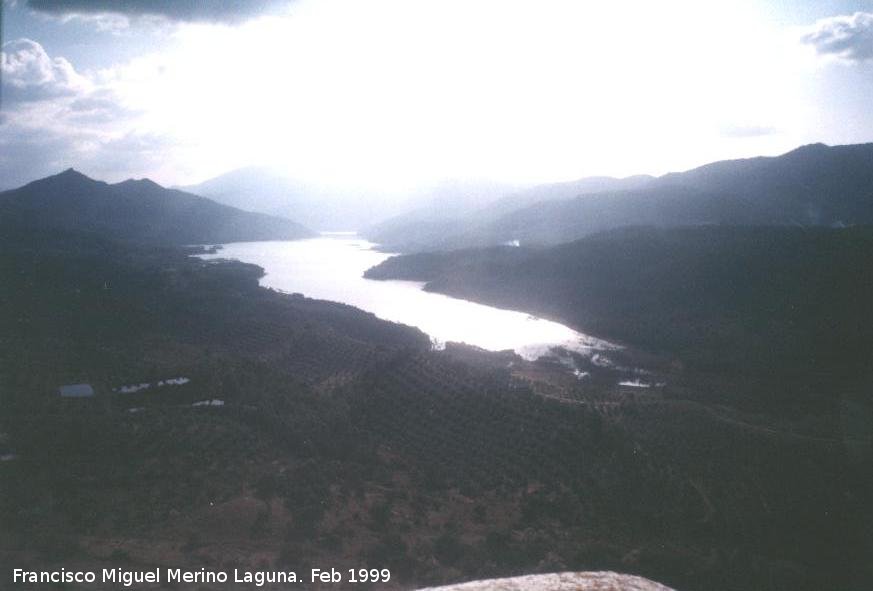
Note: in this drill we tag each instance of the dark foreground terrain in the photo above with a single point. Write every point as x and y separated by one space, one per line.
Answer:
344 441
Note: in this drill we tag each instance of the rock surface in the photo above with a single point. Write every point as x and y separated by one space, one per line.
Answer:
578 581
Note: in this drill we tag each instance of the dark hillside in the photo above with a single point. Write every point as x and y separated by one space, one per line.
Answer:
777 302
812 185
816 185
137 211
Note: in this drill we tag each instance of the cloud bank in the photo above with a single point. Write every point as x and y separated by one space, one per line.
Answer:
30 75
848 37
219 11
54 117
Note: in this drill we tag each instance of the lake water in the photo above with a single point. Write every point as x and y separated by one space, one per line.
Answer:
331 267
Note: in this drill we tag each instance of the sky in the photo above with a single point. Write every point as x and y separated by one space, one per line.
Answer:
391 94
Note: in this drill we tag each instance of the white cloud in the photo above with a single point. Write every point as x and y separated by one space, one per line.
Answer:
55 117
848 37
29 74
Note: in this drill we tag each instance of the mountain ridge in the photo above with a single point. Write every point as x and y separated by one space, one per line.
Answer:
815 185
330 208
137 210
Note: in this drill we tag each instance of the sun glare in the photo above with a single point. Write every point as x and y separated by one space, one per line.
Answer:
390 93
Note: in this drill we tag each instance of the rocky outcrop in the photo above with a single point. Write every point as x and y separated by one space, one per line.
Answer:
578 581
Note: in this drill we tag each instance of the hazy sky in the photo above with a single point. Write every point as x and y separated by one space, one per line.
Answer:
394 92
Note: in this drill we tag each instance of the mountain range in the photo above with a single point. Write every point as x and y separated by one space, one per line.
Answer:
264 191
331 208
814 185
136 211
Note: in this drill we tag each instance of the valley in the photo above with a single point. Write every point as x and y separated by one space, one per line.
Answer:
436 296
687 404
343 439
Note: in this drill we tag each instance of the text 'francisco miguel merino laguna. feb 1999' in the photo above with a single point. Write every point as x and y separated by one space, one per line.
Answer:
128 578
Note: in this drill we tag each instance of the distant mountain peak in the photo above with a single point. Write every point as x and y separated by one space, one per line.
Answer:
144 182
139 210
70 173
809 148
68 178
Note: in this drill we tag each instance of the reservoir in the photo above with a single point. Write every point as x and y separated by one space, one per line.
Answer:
331 267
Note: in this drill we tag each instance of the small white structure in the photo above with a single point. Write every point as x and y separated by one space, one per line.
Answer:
76 391
636 383
213 402
132 388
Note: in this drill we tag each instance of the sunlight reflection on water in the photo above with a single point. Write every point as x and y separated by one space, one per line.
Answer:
331 267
